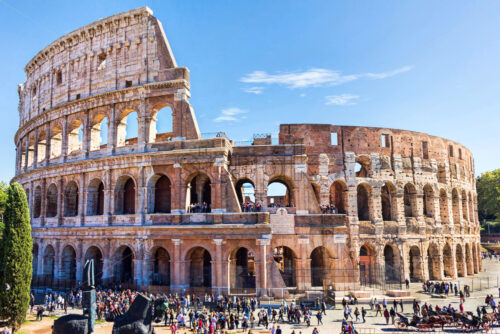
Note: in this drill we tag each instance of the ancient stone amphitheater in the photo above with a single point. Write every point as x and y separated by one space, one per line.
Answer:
405 202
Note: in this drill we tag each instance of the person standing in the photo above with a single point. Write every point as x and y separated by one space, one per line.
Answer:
386 316
363 314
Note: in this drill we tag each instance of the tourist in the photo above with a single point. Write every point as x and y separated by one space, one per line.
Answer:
363 314
386 316
356 314
392 313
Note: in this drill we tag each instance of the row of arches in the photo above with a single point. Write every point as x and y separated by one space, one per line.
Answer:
72 137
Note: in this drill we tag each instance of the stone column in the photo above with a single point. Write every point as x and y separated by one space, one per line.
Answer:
219 283
141 198
82 200
138 271
147 268
86 135
79 261
106 270
141 127
64 148
35 149
39 268
108 197
60 200
303 270
179 191
111 142
175 274
261 284
48 144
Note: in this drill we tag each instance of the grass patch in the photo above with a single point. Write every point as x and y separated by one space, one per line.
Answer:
100 321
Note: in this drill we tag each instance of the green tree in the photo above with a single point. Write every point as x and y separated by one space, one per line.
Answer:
3 203
488 195
15 258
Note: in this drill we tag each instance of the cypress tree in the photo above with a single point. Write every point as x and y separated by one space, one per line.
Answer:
16 258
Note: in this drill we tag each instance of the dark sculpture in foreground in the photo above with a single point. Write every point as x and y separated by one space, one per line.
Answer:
137 320
76 323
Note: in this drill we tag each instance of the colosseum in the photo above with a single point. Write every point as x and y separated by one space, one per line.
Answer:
178 210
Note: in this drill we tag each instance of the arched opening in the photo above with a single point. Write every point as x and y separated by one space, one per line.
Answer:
416 270
127 128
468 259
125 196
242 262
124 269
71 199
48 262
24 147
279 193
286 261
321 267
200 268
388 202
37 202
41 146
428 201
245 190
95 198
364 195
392 271
338 196
433 261
75 136
447 261
410 200
161 194
459 260
161 267
366 265
471 209
362 167
199 194
443 207
455 206
465 210
99 132
68 263
31 151
34 261
56 141
94 253
51 209
160 127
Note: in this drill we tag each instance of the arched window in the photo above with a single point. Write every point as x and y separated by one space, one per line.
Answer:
162 195
455 206
279 193
428 201
388 201
56 141
94 253
200 267
51 209
364 194
37 203
199 194
48 261
31 151
127 129
68 263
242 268
447 261
338 196
443 206
41 146
125 196
416 268
245 190
160 127
286 260
464 206
71 199
410 200
161 267
95 198
75 136
99 132
124 268
321 267
392 268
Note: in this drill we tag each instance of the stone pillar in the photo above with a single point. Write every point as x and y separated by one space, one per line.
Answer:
303 270
454 262
106 270
179 191
111 142
261 283
219 283
86 135
82 199
175 274
48 144
60 200
79 261
147 271
137 271
141 127
108 197
141 190
39 268
35 149
64 148
43 202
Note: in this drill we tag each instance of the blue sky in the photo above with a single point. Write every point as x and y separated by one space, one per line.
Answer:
430 66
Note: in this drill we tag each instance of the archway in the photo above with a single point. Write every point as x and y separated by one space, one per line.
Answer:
410 200
433 262
199 194
366 265
56 141
75 134
124 269
459 260
279 192
161 267
364 192
443 207
160 126
125 196
286 261
465 210
338 196
416 270
245 190
48 262
99 132
388 202
127 128
34 261
37 202
447 261
428 201
455 206
68 263
94 253
95 198
242 262
321 266
391 261
51 209
71 199
41 147
200 268
160 194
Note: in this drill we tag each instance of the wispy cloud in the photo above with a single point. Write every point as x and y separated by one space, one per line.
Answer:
232 114
341 100
254 90
315 77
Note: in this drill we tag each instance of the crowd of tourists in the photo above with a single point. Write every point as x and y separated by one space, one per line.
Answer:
251 207
199 208
328 209
445 288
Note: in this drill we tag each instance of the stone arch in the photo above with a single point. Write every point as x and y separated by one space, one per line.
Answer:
443 207
159 194
322 265
48 261
41 146
363 166
388 195
161 124
68 263
99 132
428 201
392 263
56 141
367 264
52 193
286 261
447 261
95 198
455 201
71 199
75 136
339 196
37 202
125 194
126 130
459 260
199 268
95 253
242 268
464 206
160 270
416 265
282 200
433 259
31 150
199 193
410 200
365 202
245 190
123 260
468 259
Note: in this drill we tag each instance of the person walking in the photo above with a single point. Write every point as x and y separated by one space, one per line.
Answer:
392 313
363 314
356 314
319 316
386 316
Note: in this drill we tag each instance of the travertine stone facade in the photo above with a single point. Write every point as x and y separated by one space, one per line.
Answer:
405 201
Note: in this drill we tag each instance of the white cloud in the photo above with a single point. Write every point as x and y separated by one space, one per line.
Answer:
303 95
232 114
341 100
254 90
314 77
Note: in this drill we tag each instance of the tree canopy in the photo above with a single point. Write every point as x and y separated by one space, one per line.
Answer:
488 195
